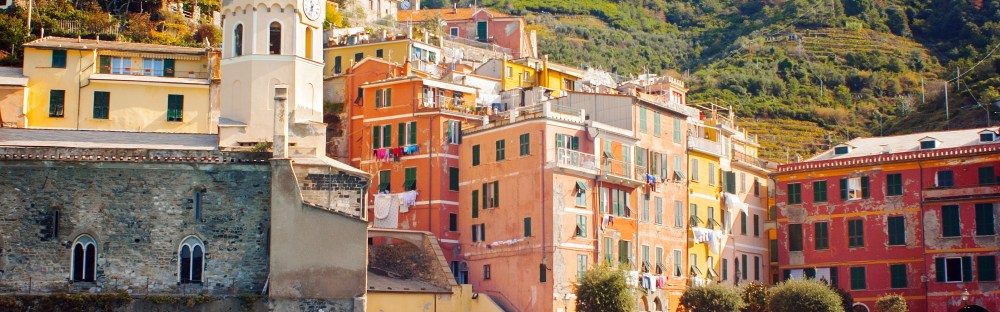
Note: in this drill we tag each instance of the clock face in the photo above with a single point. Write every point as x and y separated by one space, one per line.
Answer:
311 8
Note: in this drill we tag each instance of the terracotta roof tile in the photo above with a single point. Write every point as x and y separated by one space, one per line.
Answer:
446 14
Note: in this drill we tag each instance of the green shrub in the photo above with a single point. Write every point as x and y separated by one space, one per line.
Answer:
846 300
604 289
803 295
754 296
891 303
712 298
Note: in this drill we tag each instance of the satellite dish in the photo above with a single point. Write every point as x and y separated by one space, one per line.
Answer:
405 5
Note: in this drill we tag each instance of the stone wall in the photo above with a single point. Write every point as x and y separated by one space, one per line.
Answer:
138 211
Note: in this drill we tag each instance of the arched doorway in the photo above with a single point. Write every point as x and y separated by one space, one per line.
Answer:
973 308
859 307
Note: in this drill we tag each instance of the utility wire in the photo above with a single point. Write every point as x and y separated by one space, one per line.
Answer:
977 64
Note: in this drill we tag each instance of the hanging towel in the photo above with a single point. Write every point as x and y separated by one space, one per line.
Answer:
409 198
398 152
381 206
390 210
715 241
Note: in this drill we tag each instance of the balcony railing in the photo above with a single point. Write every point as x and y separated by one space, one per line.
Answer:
136 71
746 158
428 67
705 145
568 157
619 168
963 191
451 104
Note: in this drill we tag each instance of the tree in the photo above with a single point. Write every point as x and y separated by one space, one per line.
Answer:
846 300
891 303
712 298
604 289
754 296
803 295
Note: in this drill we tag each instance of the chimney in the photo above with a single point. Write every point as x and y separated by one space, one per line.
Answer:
454 8
280 145
416 5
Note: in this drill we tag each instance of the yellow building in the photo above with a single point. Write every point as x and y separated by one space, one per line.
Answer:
705 221
531 72
107 85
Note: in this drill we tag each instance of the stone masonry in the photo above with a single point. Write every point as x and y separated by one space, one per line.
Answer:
138 211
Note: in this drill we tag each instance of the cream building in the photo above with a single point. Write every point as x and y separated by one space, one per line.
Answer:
268 44
86 84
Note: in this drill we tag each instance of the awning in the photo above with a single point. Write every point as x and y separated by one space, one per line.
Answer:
582 186
186 57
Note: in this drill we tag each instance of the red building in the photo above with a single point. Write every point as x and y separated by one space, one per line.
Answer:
478 26
911 214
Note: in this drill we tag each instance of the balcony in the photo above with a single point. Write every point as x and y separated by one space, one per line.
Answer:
576 161
743 158
544 110
450 104
623 173
705 146
961 192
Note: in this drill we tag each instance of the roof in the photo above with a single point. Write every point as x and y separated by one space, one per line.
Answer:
905 143
380 283
446 14
90 44
107 139
12 76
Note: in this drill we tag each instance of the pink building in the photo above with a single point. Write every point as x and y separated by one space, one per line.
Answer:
478 25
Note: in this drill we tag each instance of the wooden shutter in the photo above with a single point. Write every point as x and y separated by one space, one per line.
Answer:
527 227
496 194
388 97
486 195
105 64
401 134
939 269
865 193
574 143
843 189
376 136
387 136
475 204
413 132
967 269
168 67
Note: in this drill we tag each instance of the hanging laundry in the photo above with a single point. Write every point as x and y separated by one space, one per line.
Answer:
607 221
650 179
700 235
715 241
409 198
388 208
398 153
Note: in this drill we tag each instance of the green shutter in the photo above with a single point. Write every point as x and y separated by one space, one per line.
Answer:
57 103
376 137
452 222
858 278
939 269
559 141
452 178
657 128
175 107
401 134
388 97
949 221
865 193
834 277
475 204
413 133
482 232
642 119
337 65
984 219
496 194
485 197
59 58
105 64
987 267
387 136
897 274
102 100
897 231
475 232
677 129
541 273
986 176
168 67
527 227
574 143
966 269
475 155
843 189
378 98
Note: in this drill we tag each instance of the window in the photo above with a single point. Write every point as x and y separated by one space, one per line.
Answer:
624 252
658 217
756 187
953 270
410 181
743 223
378 53
644 209
620 203
678 171
841 150
121 65
855 233
944 178
897 230
608 253
678 259
527 227
725 269
238 41
694 214
657 125
711 174
581 193
642 119
475 204
794 237
53 227
501 150
694 169
197 204
58 58
386 135
84 259
756 268
384 179
453 31
987 267
894 184
858 278
987 136
950 226
854 188
192 260
659 261
358 57
337 64
756 225
678 213
677 130
819 191
774 250
693 263
377 137
729 181
744 270
897 275
102 100
725 225
510 72
986 176
274 41
794 193
525 144
541 273
487 272
153 67
175 107
822 235
743 182
452 179
646 266
581 226
383 97
453 222
491 195
475 155
581 266
57 100
928 144
454 132
481 30
984 219
711 219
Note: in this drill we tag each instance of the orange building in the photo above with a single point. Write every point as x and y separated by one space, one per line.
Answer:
405 130
556 188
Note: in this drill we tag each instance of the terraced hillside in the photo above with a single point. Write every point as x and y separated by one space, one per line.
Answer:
782 139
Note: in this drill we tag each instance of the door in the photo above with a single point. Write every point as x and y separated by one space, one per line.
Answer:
481 30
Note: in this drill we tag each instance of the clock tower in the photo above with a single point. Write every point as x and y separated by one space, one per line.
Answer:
269 43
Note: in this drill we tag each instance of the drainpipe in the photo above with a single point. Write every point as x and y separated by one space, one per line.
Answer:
923 236
542 206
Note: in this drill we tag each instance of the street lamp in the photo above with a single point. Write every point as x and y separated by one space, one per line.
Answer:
965 297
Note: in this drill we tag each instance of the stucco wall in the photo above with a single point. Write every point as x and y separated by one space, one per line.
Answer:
12 106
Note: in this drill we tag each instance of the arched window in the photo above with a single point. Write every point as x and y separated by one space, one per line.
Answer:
309 41
657 306
238 40
192 260
274 44
84 259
